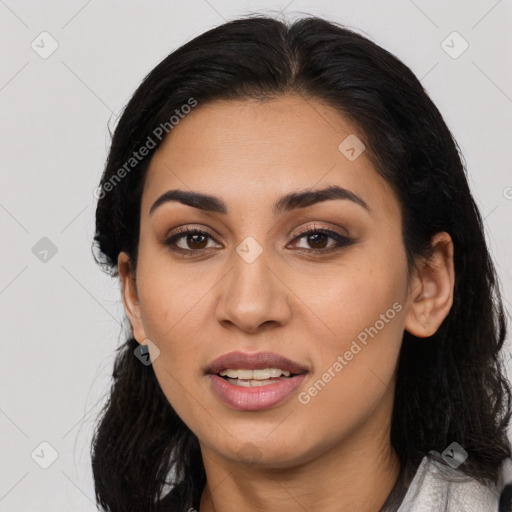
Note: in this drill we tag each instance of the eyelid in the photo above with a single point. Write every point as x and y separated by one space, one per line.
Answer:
187 228
318 227
341 240
193 227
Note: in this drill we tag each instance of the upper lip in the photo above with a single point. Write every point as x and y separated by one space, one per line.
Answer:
254 361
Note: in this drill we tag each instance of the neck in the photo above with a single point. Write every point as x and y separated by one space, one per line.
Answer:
357 474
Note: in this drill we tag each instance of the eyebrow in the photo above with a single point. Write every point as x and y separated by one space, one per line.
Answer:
284 204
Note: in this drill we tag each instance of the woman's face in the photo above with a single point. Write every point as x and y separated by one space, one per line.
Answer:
333 302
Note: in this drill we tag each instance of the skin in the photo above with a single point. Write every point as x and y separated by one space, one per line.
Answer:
334 452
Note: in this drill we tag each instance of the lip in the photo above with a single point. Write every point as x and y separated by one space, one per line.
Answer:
254 361
255 398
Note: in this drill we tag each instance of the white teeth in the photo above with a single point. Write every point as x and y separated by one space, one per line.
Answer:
250 383
260 375
237 374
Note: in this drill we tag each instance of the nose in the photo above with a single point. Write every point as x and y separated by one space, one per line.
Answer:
254 295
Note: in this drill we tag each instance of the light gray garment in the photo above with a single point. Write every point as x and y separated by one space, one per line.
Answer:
439 488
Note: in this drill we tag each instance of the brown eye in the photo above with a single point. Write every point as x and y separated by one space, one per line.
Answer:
317 239
194 240
190 240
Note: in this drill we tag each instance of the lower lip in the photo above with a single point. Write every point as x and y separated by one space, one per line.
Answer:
255 398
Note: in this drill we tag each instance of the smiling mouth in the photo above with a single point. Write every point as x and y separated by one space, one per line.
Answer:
254 381
252 378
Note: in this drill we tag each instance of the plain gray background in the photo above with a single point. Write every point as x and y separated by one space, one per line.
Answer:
61 318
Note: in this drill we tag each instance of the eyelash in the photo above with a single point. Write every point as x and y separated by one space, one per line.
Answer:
342 241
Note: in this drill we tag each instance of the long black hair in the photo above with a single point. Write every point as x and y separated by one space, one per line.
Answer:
450 387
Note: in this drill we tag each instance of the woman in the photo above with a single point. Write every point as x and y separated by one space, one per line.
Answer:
315 320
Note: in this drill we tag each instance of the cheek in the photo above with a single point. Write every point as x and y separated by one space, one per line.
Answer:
363 343
355 372
363 306
173 300
175 313
174 327
358 298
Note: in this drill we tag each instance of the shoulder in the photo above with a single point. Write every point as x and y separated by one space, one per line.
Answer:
437 486
505 487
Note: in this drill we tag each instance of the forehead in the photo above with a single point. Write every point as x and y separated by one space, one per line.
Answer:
265 148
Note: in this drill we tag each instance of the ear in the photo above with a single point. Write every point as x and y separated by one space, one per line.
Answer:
130 296
431 290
